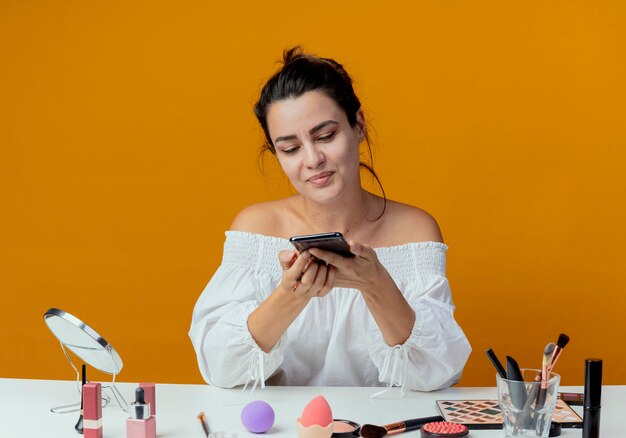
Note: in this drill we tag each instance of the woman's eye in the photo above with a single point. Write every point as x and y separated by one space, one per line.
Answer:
326 137
290 150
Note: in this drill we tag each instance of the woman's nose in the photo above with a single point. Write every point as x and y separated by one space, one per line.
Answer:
314 157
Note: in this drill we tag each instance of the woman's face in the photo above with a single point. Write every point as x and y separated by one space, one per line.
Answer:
315 145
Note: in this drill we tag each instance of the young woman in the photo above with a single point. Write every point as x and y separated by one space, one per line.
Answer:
384 316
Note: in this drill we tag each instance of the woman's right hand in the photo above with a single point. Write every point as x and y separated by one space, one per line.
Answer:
304 275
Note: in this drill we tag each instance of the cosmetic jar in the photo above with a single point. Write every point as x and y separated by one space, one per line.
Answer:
443 429
345 428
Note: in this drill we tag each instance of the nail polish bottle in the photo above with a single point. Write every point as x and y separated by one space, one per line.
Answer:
149 392
140 424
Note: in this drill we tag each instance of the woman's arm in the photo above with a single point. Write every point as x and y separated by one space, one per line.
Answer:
226 352
389 308
302 280
364 272
417 343
436 351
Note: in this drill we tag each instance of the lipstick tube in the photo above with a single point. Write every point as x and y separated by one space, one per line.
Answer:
593 398
92 410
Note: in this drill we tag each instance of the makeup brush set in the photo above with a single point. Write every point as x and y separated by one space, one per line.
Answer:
551 354
485 414
523 395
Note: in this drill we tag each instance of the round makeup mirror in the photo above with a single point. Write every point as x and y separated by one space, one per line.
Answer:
83 341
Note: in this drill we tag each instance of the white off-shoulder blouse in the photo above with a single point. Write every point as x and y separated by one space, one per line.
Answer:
334 341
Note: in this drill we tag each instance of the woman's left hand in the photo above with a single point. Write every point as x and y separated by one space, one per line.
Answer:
358 272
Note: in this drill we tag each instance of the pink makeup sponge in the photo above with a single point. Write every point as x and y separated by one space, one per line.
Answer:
257 416
317 412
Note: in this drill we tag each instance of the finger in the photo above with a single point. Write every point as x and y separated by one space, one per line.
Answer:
307 278
320 278
329 257
299 266
287 258
329 281
299 277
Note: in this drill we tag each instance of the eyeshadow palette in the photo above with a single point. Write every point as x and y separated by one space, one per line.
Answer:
486 414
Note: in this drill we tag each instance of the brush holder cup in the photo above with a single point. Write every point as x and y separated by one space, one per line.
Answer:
527 407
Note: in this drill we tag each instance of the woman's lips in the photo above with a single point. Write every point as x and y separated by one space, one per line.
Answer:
321 178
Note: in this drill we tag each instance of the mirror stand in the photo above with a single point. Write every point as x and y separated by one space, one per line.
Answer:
88 345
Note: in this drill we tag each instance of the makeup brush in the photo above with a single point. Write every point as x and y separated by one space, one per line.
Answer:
496 363
538 394
560 345
548 354
545 373
373 431
517 389
204 424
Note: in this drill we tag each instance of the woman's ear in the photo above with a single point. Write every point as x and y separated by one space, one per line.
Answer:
360 123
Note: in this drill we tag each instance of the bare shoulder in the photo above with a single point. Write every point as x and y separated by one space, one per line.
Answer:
412 224
262 218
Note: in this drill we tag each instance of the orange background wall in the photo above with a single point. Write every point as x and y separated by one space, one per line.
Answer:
128 144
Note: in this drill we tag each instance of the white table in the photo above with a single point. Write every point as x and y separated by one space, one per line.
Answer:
25 408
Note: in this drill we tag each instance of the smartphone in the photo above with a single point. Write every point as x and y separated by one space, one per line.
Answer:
327 241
